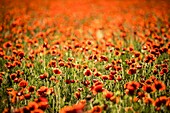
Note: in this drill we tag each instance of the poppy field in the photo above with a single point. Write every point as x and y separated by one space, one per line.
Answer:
84 56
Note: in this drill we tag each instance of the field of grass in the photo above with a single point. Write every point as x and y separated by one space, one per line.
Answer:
84 56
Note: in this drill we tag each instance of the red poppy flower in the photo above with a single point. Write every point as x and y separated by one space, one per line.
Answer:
159 85
77 95
52 63
119 78
27 96
96 109
21 54
43 76
7 44
43 105
13 76
2 54
115 99
87 72
131 71
37 111
105 77
148 88
31 88
42 91
23 83
103 58
148 81
61 64
148 100
57 71
32 105
97 74
131 87
77 108
98 88
108 94
86 83
26 109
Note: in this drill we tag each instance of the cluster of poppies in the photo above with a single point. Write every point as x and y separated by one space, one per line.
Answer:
84 56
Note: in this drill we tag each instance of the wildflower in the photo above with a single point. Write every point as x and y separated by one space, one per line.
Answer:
77 95
128 109
61 64
131 71
107 67
135 99
137 54
13 76
27 96
117 53
157 102
67 81
7 44
148 100
115 99
105 77
37 111
118 68
6 110
97 74
19 110
164 65
18 46
78 66
26 109
45 45
52 78
153 78
156 72
52 63
57 71
21 54
43 76
9 65
43 105
103 58
23 83
119 78
87 72
72 81
168 103
163 71
2 54
29 65
98 88
86 83
16 80
70 59
76 108
148 88
31 89
42 91
148 81
131 87
96 109
108 94
141 95
159 85
32 105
